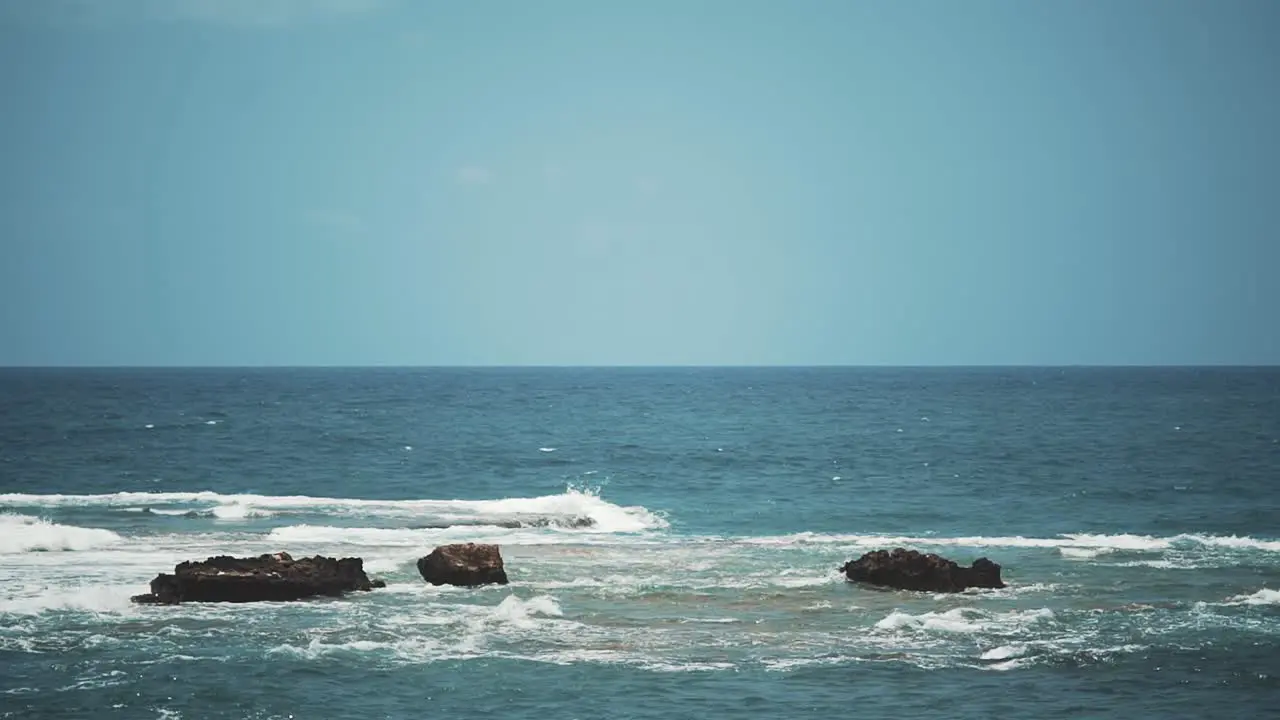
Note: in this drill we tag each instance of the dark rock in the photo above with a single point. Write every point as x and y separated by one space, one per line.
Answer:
910 570
464 564
275 577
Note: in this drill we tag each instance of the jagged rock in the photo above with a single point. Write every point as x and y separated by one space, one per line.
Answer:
275 577
910 570
463 564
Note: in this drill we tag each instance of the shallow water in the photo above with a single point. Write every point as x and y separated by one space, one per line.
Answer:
1133 510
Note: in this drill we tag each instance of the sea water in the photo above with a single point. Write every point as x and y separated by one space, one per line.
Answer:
672 537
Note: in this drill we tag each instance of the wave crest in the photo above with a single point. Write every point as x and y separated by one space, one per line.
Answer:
964 620
1264 596
573 509
24 533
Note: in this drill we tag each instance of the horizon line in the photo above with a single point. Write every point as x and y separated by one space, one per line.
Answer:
703 366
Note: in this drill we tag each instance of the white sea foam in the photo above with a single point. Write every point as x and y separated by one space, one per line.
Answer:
1005 652
958 620
1231 541
24 533
1075 545
111 678
331 535
95 598
522 613
1012 664
456 631
238 511
788 579
1265 596
421 650
1016 590
964 620
1184 564
1018 655
318 648
791 663
375 537
1084 553
683 666
573 503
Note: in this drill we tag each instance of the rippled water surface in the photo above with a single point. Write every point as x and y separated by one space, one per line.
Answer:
672 538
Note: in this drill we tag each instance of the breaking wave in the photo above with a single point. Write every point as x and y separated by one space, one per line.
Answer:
964 620
91 598
24 533
574 508
1262 597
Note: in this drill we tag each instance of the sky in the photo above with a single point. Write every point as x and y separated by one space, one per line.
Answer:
576 182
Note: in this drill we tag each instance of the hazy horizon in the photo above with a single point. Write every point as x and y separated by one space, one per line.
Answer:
994 366
360 183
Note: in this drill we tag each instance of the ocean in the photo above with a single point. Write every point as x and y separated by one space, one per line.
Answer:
1135 512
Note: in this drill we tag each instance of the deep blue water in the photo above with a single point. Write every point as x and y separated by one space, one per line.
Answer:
1135 512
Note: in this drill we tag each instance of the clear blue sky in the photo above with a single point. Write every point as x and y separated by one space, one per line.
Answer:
351 182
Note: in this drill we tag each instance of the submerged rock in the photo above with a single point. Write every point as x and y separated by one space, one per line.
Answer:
275 577
466 564
910 570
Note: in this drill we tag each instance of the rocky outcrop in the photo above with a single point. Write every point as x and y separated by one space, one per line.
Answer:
465 564
275 577
910 570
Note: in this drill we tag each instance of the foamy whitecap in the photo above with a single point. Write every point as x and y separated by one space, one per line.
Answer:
792 663
24 533
949 621
964 620
1084 553
1015 590
93 598
1183 564
238 511
331 536
788 579
1230 541
1011 664
1265 596
522 613
1075 545
1004 652
573 503
417 649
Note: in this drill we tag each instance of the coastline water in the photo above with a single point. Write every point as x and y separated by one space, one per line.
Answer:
672 538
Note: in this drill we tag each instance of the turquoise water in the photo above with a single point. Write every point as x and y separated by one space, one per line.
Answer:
1135 512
